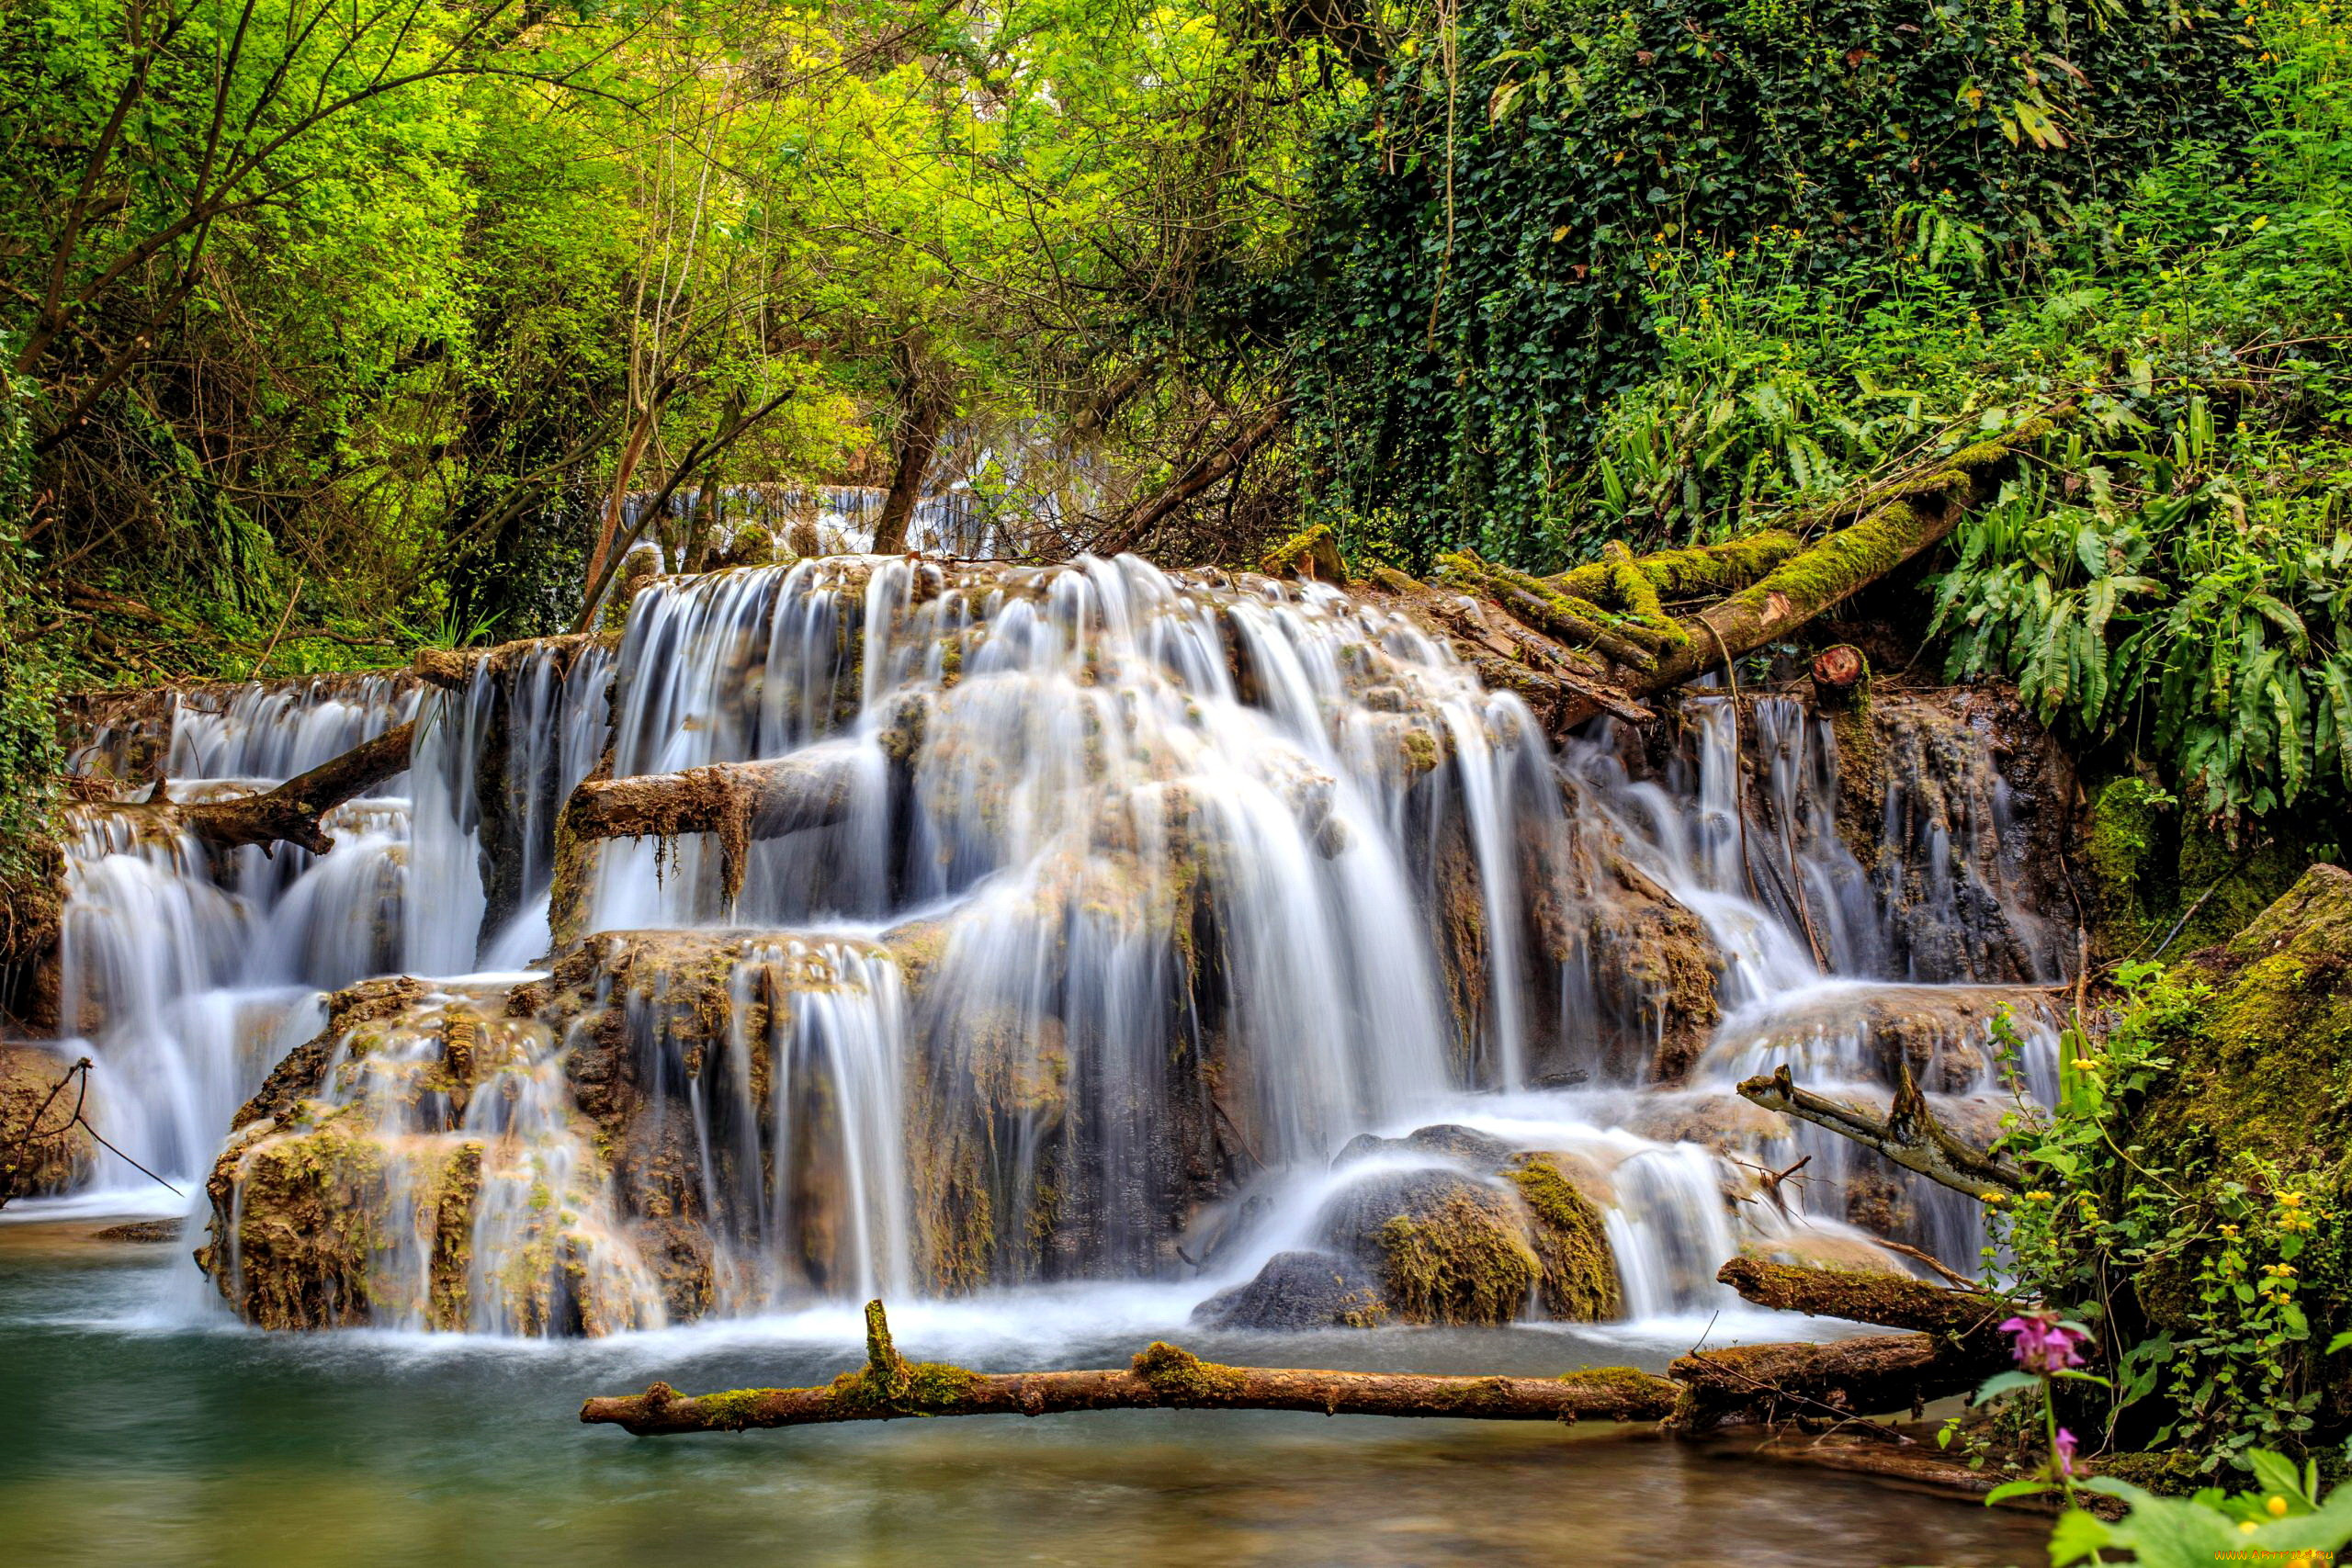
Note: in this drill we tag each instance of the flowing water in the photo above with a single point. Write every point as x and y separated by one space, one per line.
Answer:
1134 899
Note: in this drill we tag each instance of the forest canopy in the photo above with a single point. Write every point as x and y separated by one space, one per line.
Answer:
332 329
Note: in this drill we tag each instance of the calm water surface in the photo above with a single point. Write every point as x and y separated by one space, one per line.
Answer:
129 1437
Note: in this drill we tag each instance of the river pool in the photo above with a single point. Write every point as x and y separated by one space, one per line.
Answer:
134 1430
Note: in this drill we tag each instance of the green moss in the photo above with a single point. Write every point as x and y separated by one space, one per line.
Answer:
1463 1261
735 1409
1580 1283
2121 848
1696 571
1178 1375
2168 1475
1313 551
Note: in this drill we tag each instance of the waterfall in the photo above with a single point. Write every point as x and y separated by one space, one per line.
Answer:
1142 898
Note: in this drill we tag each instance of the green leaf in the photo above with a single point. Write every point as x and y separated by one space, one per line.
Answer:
2004 1383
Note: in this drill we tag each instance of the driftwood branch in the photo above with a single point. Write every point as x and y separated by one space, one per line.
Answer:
1909 1134
291 812
1162 1378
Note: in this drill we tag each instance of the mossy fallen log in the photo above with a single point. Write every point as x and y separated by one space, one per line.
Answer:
1690 572
1162 1377
1890 1301
1899 520
1767 1384
1908 1134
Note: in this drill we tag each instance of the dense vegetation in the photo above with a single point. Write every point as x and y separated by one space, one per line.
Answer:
331 330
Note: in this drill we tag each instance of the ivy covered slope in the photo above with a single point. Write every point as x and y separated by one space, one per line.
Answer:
1512 217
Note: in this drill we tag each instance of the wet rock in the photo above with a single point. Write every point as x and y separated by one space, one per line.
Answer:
1826 1250
1724 1123
1298 1291
142 1231
1473 1150
1946 1035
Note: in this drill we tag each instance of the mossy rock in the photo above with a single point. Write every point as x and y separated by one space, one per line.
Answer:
2149 871
1466 1260
2265 1067
2258 1032
1444 1245
1580 1283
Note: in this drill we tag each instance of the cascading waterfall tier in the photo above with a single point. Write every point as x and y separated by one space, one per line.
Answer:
1146 926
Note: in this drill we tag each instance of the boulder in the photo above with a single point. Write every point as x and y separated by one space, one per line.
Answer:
1298 1291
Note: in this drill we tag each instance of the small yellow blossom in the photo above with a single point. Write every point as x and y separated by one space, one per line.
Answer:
2276 1506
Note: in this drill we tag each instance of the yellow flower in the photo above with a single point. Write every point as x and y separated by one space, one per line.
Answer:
2037 1196
2230 1231
2277 1507
2245 1527
2291 1199
1992 1198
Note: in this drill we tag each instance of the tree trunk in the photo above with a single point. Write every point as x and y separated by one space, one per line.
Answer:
1162 1378
1841 678
1135 525
918 441
291 812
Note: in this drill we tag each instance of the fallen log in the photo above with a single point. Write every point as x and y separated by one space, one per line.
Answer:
738 802
1685 573
1846 1379
1907 516
1909 1134
1162 1377
291 812
1890 1301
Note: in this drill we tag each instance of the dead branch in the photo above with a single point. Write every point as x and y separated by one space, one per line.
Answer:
291 812
1909 1134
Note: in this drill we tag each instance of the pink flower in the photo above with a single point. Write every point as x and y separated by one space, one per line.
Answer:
2043 1344
2063 1451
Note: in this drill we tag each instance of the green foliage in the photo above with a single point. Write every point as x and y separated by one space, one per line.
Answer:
2200 1264
29 750
1524 231
2286 1519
